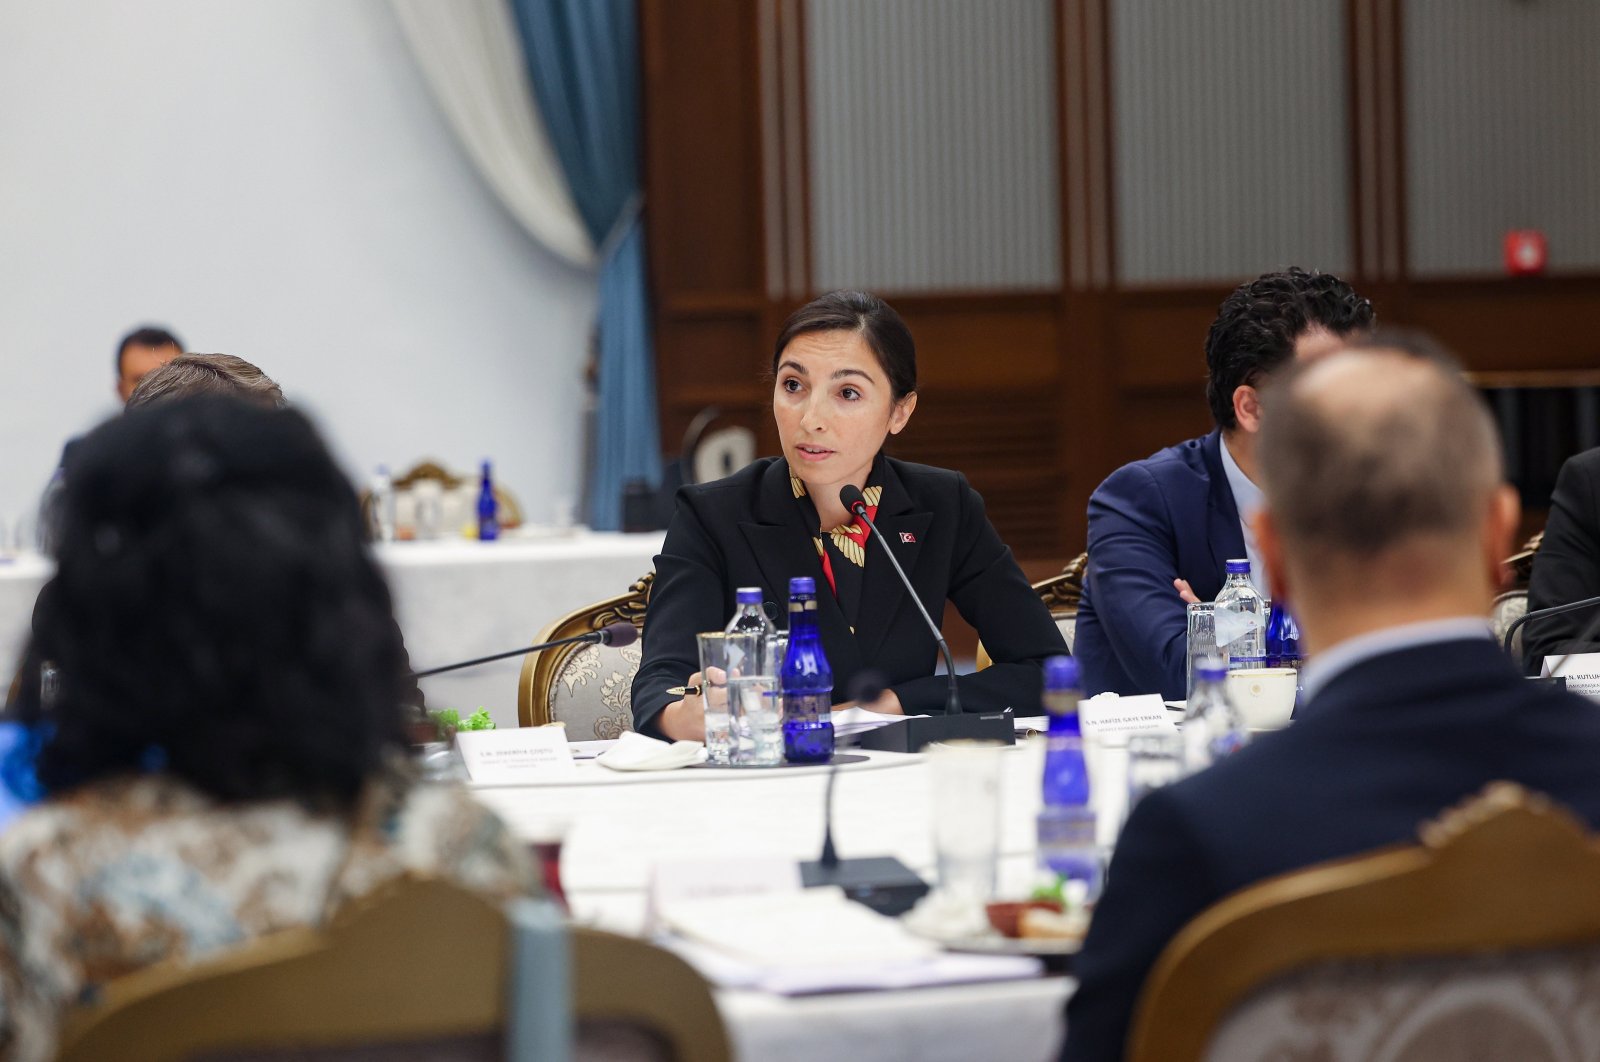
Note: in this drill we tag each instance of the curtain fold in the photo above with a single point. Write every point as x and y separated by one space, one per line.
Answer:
583 62
470 54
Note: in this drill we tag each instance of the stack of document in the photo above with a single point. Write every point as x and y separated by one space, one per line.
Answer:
817 940
859 721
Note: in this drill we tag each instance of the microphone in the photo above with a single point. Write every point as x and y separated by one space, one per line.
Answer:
856 505
1555 610
882 883
616 634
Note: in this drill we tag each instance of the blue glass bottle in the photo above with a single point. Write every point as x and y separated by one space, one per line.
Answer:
488 508
806 681
1066 824
1283 638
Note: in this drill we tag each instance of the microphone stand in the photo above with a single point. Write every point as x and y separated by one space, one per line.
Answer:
601 637
858 507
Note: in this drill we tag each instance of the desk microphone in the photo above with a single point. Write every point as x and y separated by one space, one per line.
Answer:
1556 610
856 505
882 883
614 634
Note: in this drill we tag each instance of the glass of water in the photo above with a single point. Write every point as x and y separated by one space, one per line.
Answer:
718 657
966 816
1202 638
755 701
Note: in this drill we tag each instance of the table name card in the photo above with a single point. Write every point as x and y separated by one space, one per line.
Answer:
677 881
1581 670
506 757
1111 714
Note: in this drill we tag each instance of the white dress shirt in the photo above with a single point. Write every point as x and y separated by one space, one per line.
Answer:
1248 499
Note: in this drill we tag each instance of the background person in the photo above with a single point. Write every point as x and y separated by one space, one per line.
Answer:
845 380
1386 525
1162 530
142 352
225 755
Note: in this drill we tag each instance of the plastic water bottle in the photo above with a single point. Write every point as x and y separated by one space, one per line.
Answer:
748 615
381 492
488 508
1283 638
1066 824
806 681
1241 619
1212 726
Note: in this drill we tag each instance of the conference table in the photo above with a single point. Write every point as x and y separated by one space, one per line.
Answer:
455 599
621 827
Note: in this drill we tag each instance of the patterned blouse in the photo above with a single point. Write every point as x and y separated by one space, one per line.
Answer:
843 550
122 874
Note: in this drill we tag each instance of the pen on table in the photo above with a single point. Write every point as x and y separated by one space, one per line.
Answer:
684 691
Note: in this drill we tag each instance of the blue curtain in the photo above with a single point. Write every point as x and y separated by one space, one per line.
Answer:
583 61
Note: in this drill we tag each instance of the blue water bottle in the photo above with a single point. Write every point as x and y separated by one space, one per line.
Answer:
488 508
806 681
1066 825
1283 638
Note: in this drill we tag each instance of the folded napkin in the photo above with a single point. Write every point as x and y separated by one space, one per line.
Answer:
636 752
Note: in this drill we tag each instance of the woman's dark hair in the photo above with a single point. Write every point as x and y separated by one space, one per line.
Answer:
215 613
874 319
1258 323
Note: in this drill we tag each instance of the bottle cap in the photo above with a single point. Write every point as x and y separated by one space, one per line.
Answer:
1237 567
1211 671
802 584
1061 673
748 595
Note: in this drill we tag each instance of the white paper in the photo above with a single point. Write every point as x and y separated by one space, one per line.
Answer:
1581 670
859 720
1111 714
506 757
806 927
678 881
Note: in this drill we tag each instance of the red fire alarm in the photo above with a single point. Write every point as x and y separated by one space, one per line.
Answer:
1526 252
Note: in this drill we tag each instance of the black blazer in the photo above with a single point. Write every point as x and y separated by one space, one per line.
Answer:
1567 566
748 530
1383 747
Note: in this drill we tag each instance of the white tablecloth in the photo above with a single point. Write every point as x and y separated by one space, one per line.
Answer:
455 600
618 832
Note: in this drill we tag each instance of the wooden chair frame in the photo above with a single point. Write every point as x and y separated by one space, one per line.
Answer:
1506 871
1061 594
307 985
616 978
539 669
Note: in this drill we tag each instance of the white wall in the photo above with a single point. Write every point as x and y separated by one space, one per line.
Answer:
272 179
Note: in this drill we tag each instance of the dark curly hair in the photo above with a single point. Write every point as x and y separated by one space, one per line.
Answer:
215 612
1257 325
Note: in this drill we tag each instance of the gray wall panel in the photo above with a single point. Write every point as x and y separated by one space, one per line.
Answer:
1231 138
1502 114
932 138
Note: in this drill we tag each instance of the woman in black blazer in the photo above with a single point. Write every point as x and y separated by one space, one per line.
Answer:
845 377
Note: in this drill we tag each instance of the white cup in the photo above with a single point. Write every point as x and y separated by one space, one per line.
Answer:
1264 695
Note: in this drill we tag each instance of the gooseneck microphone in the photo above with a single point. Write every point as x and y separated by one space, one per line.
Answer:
856 505
1556 610
616 634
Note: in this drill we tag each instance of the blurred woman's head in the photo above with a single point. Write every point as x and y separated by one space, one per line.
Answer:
214 611
845 379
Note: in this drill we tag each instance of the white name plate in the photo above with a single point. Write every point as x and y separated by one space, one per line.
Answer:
690 880
506 757
1110 714
1581 670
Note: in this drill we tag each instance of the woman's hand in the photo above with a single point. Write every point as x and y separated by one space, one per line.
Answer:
685 720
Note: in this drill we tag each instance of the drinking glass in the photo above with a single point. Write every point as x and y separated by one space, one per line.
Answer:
966 816
1154 760
717 658
1202 638
754 704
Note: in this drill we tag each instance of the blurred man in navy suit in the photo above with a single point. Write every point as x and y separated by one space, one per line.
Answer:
1161 530
1386 519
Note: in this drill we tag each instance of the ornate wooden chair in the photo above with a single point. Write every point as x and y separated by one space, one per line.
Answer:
1512 605
1481 942
422 969
587 687
1061 594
